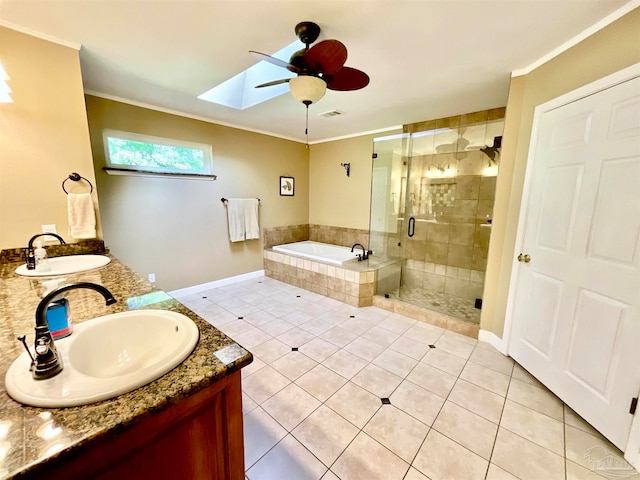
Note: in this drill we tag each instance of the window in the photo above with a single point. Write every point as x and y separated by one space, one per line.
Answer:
133 152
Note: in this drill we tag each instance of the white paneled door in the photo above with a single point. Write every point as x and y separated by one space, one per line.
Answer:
575 306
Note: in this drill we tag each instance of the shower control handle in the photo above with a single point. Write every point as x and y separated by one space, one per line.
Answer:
411 230
524 258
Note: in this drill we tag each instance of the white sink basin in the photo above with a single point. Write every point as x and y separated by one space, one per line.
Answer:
106 357
67 265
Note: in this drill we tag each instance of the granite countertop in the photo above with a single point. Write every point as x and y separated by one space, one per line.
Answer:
30 436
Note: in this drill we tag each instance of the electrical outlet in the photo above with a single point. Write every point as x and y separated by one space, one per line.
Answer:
152 277
49 229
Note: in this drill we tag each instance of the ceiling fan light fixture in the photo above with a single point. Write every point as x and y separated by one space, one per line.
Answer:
307 89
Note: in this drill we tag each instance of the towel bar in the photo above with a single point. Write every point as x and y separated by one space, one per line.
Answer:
76 177
223 200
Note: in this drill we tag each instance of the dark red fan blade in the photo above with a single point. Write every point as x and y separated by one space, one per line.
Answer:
275 61
275 82
347 79
327 56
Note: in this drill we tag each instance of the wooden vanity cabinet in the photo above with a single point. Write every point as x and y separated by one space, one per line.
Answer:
198 438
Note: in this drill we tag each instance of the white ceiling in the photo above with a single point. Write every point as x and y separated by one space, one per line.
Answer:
426 58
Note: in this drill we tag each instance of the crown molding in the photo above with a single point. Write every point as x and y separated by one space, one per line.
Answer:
40 35
606 21
186 115
360 134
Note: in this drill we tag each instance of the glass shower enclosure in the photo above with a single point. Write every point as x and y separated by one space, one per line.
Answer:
432 194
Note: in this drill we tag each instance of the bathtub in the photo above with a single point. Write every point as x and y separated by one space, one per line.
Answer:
322 252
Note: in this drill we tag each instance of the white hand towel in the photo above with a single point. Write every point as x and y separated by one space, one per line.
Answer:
251 224
242 215
235 217
82 217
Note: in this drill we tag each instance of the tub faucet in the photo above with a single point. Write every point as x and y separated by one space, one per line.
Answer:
47 362
364 254
30 259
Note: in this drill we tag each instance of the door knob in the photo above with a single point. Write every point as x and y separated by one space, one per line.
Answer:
524 258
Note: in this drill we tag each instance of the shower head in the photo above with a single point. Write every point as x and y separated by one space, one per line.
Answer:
494 150
490 152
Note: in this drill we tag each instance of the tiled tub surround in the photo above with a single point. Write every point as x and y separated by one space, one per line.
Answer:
458 409
351 288
338 235
32 437
286 234
353 282
345 237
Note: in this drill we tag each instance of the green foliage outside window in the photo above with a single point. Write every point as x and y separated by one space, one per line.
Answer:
143 154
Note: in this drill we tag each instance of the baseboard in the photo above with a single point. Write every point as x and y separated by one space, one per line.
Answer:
181 292
494 340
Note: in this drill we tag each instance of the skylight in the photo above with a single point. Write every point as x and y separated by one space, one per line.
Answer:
5 91
239 92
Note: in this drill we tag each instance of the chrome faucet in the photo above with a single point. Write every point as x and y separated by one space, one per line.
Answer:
365 253
47 362
29 258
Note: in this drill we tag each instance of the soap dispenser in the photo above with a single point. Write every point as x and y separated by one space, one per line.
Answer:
42 262
29 258
58 313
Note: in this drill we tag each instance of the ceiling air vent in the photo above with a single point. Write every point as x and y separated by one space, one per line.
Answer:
331 113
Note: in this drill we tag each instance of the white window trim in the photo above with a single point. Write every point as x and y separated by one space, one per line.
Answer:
139 169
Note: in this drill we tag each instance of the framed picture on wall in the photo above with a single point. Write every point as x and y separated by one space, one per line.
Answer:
286 186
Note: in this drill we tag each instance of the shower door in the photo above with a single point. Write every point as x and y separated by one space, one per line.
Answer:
401 207
387 215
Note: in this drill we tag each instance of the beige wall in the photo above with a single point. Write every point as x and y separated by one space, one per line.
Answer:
43 136
609 50
177 228
334 198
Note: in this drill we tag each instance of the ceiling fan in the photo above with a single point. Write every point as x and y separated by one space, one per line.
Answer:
318 67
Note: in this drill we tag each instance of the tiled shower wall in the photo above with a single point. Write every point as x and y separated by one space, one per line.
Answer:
451 255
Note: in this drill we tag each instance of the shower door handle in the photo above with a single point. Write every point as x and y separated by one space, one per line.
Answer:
411 230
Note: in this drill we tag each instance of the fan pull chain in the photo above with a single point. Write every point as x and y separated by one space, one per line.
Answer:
306 127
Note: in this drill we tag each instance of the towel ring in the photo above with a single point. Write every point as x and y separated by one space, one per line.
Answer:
76 177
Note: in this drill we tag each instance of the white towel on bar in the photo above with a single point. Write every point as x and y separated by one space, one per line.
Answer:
242 215
251 225
82 216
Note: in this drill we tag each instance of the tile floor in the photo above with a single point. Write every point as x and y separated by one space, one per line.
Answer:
339 392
